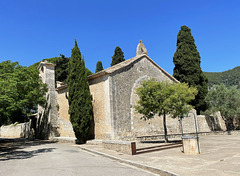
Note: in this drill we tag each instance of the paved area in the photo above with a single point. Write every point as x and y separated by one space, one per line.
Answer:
220 155
39 158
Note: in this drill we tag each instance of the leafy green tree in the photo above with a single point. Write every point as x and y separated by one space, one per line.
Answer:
187 67
118 56
21 90
79 98
99 67
226 100
238 87
162 98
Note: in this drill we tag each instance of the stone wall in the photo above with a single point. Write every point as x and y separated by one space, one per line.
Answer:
17 130
99 89
189 123
47 120
124 83
65 127
53 119
125 147
216 122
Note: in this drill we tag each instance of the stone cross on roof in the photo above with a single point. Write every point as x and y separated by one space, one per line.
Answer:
141 49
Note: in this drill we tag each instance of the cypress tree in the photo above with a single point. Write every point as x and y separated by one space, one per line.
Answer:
187 67
79 98
118 56
99 67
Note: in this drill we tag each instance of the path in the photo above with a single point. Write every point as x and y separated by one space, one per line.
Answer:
45 158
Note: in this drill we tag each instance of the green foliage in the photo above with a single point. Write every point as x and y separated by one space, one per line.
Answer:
162 98
118 56
226 100
229 78
80 105
187 67
21 90
99 67
61 68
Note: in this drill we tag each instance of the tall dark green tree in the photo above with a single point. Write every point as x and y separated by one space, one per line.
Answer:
118 56
79 98
99 67
61 69
187 67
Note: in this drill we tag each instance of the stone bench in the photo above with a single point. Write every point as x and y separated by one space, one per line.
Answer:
125 147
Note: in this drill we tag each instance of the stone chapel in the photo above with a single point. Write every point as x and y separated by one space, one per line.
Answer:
113 99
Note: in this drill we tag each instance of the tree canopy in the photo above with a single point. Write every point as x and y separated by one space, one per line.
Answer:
80 105
187 67
118 56
99 67
21 90
226 100
162 98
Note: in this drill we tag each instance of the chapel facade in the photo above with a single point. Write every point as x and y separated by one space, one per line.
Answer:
114 96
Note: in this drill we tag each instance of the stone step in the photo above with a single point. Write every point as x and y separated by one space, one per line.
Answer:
94 142
64 139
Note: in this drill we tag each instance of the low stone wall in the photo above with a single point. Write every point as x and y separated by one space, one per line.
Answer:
17 130
216 122
125 147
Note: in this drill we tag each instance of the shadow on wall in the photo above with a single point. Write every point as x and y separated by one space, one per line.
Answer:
91 131
17 130
213 123
233 123
217 123
43 127
43 131
236 123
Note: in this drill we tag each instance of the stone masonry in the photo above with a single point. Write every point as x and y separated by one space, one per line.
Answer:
114 96
53 121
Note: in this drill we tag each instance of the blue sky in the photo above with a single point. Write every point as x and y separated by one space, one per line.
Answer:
32 30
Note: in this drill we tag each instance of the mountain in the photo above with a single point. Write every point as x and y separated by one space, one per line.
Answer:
229 78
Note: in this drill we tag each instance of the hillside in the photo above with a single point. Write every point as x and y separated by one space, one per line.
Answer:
229 78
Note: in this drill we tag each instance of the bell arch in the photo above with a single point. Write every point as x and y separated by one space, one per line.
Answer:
141 49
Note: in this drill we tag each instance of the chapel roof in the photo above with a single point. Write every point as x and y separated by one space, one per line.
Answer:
46 63
124 64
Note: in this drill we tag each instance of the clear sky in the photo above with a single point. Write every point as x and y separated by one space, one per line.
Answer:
32 30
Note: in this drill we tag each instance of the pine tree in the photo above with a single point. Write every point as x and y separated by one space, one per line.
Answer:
118 56
99 67
79 98
187 67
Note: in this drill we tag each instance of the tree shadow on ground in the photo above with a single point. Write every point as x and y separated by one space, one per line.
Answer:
163 146
162 141
14 148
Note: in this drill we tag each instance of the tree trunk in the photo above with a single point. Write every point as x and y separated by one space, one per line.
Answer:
165 128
